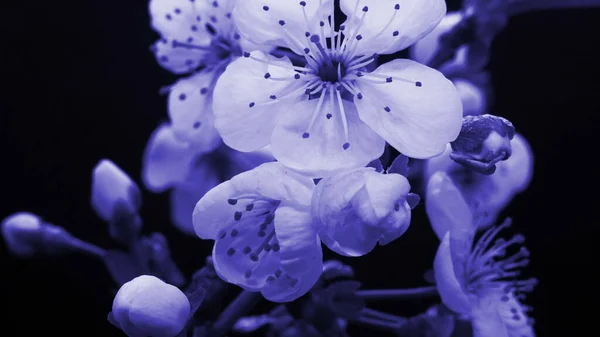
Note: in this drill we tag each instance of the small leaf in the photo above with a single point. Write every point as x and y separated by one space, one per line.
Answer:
399 165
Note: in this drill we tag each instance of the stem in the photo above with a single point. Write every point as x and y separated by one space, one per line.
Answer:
86 247
379 320
242 304
516 7
395 294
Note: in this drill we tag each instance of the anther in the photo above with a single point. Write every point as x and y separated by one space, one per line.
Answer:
237 216
232 201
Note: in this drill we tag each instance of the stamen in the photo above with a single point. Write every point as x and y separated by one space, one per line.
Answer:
316 112
346 145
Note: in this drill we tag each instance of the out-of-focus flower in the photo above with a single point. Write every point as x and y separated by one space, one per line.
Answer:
26 234
473 97
170 163
424 49
147 306
112 188
356 209
483 141
459 69
198 37
483 195
328 112
480 281
264 234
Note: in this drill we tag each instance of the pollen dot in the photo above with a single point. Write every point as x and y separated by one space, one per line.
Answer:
418 84
262 234
389 80
396 207
249 207
387 109
253 257
203 91
315 38
281 22
275 247
234 233
197 125
182 97
232 201
305 135
359 37
237 216
265 8
273 97
328 116
306 50
359 96
396 33
251 104
246 54
302 3
267 75
346 146
246 250
297 76
230 251
397 7
365 9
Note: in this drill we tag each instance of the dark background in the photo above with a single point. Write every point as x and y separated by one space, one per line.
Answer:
80 84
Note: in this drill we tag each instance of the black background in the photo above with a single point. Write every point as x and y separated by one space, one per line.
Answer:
80 84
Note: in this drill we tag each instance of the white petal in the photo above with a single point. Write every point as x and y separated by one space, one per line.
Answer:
259 21
245 114
190 109
425 111
177 59
449 287
445 205
167 160
271 180
324 151
385 29
486 318
301 254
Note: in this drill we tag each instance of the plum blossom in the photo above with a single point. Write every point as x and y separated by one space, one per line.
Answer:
485 195
478 279
356 209
264 234
197 38
172 164
326 111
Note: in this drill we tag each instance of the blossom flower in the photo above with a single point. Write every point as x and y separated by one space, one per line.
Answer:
197 37
147 306
326 111
264 235
356 209
478 279
111 187
170 163
485 195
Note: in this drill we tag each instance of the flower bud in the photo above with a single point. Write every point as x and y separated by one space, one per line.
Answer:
147 306
19 231
355 210
26 234
111 187
483 141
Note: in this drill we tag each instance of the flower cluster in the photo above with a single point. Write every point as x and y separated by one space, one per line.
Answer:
289 130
